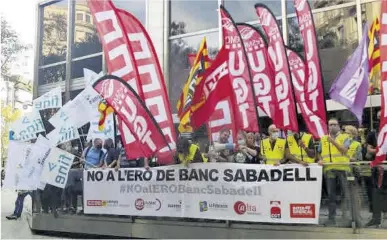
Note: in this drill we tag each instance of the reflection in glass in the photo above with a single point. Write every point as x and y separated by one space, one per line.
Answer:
54 40
244 11
369 12
337 38
178 60
86 39
94 64
314 4
52 74
135 7
190 16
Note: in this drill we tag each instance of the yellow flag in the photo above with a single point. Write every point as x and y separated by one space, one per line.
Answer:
200 64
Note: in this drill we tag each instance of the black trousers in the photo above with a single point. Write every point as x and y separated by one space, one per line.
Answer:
51 198
380 202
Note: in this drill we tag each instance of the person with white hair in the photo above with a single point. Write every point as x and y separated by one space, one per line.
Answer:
275 150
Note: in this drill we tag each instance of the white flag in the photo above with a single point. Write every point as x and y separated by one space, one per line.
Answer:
56 167
17 153
63 134
32 169
91 76
28 126
86 102
64 115
52 99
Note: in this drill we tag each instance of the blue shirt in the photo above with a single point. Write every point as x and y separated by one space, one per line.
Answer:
93 158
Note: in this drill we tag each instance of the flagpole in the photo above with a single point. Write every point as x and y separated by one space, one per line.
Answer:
115 130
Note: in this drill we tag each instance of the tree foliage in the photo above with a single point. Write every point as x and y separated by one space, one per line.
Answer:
10 46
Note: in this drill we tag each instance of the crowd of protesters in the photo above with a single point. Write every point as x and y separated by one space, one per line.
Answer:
340 154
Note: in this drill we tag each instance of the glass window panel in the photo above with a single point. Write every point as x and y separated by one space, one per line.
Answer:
244 11
315 4
54 40
178 61
190 16
52 74
337 38
135 7
86 39
94 64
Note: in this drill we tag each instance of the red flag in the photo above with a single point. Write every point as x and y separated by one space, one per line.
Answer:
382 137
228 76
133 112
314 89
261 69
239 73
286 118
214 87
118 51
315 125
152 82
222 118
119 58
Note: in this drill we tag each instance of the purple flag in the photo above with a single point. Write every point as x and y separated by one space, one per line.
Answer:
351 86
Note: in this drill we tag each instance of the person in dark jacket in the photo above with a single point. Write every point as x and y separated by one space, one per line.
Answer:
111 155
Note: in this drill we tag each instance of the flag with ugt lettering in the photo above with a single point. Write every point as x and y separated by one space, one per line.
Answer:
218 83
286 118
313 122
152 83
313 84
261 69
130 54
351 86
200 64
119 57
133 112
382 136
244 104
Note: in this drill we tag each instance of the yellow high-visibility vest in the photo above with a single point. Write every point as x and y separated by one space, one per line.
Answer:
191 155
365 170
296 150
273 155
334 156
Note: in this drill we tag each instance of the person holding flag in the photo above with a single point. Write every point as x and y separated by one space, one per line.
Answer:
332 150
301 146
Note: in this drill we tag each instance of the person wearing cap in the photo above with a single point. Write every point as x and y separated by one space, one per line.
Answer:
275 150
301 146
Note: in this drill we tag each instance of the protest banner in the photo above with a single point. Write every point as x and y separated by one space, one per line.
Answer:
56 168
228 191
17 153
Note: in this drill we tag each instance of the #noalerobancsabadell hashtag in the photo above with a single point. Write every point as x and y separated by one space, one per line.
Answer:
182 189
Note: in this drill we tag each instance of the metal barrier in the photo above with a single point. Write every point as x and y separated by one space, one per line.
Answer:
347 195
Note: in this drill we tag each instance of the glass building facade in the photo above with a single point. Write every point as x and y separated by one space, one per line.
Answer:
67 40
